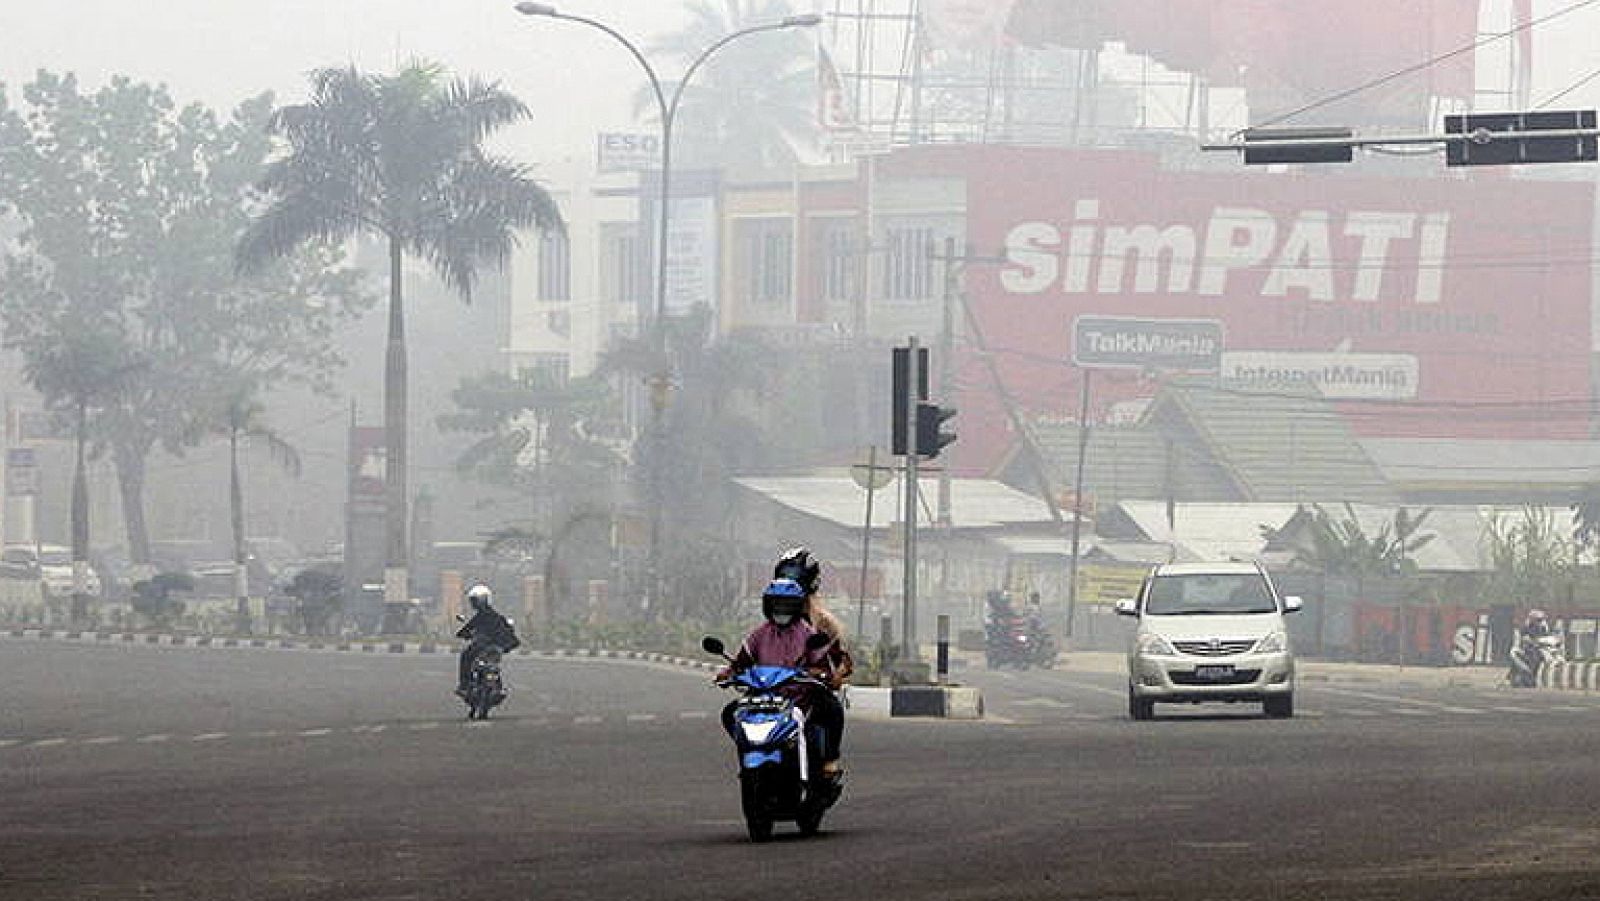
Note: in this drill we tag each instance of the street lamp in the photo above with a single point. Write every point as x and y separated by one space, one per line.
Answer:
668 111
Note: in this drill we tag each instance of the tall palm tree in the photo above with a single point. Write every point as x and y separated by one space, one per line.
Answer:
755 102
401 157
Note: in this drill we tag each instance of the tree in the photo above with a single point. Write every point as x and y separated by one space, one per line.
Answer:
241 418
1342 547
1533 562
130 207
754 103
401 157
77 365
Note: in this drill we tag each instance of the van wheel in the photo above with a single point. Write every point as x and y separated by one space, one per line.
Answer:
1140 708
1279 707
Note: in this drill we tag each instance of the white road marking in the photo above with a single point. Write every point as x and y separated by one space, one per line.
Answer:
1398 699
48 743
210 736
587 720
268 733
423 727
693 715
641 717
1411 711
313 733
1043 702
8 742
103 740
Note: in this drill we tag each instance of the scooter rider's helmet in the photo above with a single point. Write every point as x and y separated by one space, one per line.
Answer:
480 597
783 602
1537 616
797 563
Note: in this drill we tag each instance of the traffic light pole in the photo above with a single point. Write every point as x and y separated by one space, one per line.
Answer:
908 602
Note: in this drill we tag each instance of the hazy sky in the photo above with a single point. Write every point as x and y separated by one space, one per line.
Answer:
219 51
577 80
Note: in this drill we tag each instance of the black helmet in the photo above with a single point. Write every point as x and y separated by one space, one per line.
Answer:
798 564
783 602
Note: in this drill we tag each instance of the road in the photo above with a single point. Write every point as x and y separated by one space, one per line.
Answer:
177 773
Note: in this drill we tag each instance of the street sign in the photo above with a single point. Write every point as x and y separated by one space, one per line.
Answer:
1119 342
1485 148
871 477
1107 584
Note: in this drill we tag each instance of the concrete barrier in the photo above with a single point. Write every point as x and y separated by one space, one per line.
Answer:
1571 675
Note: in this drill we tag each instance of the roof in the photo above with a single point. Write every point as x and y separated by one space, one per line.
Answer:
1277 447
1458 461
974 503
1207 531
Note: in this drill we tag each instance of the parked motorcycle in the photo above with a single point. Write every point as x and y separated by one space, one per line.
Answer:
780 775
1529 655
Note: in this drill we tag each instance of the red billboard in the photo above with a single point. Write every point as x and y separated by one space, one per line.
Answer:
1429 307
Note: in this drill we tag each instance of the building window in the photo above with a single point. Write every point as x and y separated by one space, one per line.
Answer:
555 266
833 254
622 264
764 259
908 262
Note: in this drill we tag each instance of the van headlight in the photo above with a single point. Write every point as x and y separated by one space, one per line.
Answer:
1153 644
1274 643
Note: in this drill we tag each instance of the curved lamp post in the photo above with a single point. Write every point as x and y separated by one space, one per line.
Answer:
668 111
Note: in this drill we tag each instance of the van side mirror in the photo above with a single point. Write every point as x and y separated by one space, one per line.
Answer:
1292 603
1127 607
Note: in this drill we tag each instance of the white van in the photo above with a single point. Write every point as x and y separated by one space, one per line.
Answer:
1209 632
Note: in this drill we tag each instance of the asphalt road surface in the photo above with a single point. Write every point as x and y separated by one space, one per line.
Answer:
185 773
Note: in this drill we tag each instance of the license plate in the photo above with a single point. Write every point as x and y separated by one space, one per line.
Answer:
1215 672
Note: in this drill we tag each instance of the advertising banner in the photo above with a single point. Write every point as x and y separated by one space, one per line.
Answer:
1433 307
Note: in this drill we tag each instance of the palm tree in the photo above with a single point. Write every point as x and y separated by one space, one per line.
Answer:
755 102
401 157
242 419
81 366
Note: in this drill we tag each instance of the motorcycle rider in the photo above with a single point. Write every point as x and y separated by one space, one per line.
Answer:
487 628
799 564
780 640
1525 650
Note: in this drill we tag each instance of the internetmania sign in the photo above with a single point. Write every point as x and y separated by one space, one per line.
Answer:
1116 342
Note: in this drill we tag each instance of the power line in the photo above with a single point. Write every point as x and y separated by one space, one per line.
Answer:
1569 89
1427 63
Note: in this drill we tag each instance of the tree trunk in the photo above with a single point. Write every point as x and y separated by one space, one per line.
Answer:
397 557
241 575
80 521
130 460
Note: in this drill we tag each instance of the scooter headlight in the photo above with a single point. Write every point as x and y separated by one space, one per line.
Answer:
758 731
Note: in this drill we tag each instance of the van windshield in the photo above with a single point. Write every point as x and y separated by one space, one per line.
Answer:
1203 593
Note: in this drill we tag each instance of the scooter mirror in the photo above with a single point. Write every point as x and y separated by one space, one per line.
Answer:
713 645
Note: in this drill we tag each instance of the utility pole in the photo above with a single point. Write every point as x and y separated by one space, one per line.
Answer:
908 596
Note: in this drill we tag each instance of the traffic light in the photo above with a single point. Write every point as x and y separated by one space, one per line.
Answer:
931 436
902 393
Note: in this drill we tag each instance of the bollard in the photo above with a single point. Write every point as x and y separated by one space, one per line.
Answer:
944 649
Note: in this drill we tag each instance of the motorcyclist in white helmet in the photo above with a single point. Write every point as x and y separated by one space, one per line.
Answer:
487 628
